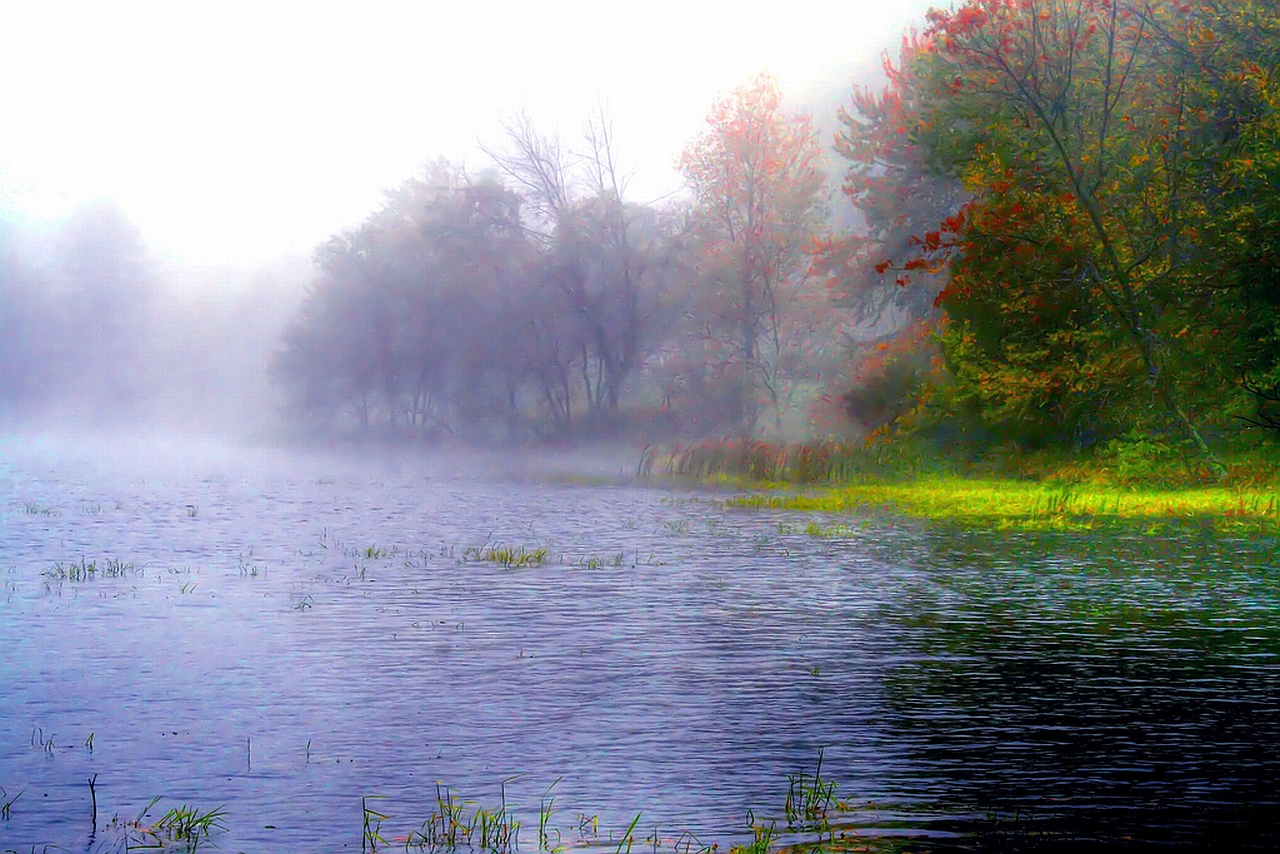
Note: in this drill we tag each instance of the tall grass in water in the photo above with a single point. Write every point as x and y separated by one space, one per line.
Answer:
815 462
519 556
182 828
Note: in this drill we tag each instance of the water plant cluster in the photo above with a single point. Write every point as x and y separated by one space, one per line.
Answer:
86 570
511 556
1025 492
812 817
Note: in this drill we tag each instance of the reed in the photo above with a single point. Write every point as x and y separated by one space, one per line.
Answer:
512 557
371 835
6 802
809 799
189 825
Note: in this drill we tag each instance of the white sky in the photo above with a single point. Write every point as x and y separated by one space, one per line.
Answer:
235 133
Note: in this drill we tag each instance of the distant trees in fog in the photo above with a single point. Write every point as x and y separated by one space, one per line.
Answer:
459 304
534 301
73 304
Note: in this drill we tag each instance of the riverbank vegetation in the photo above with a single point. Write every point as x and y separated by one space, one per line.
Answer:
1118 487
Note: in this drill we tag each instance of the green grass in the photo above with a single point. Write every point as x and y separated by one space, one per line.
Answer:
86 570
1001 503
515 557
182 828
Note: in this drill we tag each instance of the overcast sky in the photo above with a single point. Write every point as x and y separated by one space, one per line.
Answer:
236 133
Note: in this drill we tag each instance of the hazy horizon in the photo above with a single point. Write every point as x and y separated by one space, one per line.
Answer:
238 135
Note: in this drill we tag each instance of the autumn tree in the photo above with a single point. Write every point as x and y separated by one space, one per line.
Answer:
760 200
899 191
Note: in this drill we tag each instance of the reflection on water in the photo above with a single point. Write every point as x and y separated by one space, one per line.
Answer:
1124 690
283 636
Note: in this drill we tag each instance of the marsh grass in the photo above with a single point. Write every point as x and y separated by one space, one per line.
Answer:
1041 506
182 828
455 824
814 462
187 824
1135 482
7 802
545 828
508 556
597 562
371 833
812 815
809 799
86 570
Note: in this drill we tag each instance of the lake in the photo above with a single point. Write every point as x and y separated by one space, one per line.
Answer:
300 637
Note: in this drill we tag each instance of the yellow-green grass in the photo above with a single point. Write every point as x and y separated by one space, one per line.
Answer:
1040 506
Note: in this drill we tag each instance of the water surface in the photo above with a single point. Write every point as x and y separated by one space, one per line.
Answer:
284 634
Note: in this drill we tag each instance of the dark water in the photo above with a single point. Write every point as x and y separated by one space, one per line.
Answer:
285 635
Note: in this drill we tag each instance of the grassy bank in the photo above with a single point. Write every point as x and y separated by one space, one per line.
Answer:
1115 491
1042 506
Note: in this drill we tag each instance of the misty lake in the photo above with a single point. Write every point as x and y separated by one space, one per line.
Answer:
282 635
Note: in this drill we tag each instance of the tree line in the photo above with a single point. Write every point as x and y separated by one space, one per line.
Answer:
1065 235
1072 206
533 301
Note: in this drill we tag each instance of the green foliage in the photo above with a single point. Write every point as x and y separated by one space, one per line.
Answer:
1113 270
517 557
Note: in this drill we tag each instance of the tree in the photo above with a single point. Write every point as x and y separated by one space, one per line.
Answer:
759 195
422 315
899 194
602 256
1078 104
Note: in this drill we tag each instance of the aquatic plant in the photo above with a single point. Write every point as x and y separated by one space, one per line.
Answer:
516 557
628 838
595 562
446 827
85 570
371 835
499 829
544 820
809 798
187 824
182 828
763 834
38 740
6 802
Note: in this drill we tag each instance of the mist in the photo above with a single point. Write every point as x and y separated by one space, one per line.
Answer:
602 298
98 333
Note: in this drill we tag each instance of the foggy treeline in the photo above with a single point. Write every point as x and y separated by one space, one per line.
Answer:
96 332
529 300
532 300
